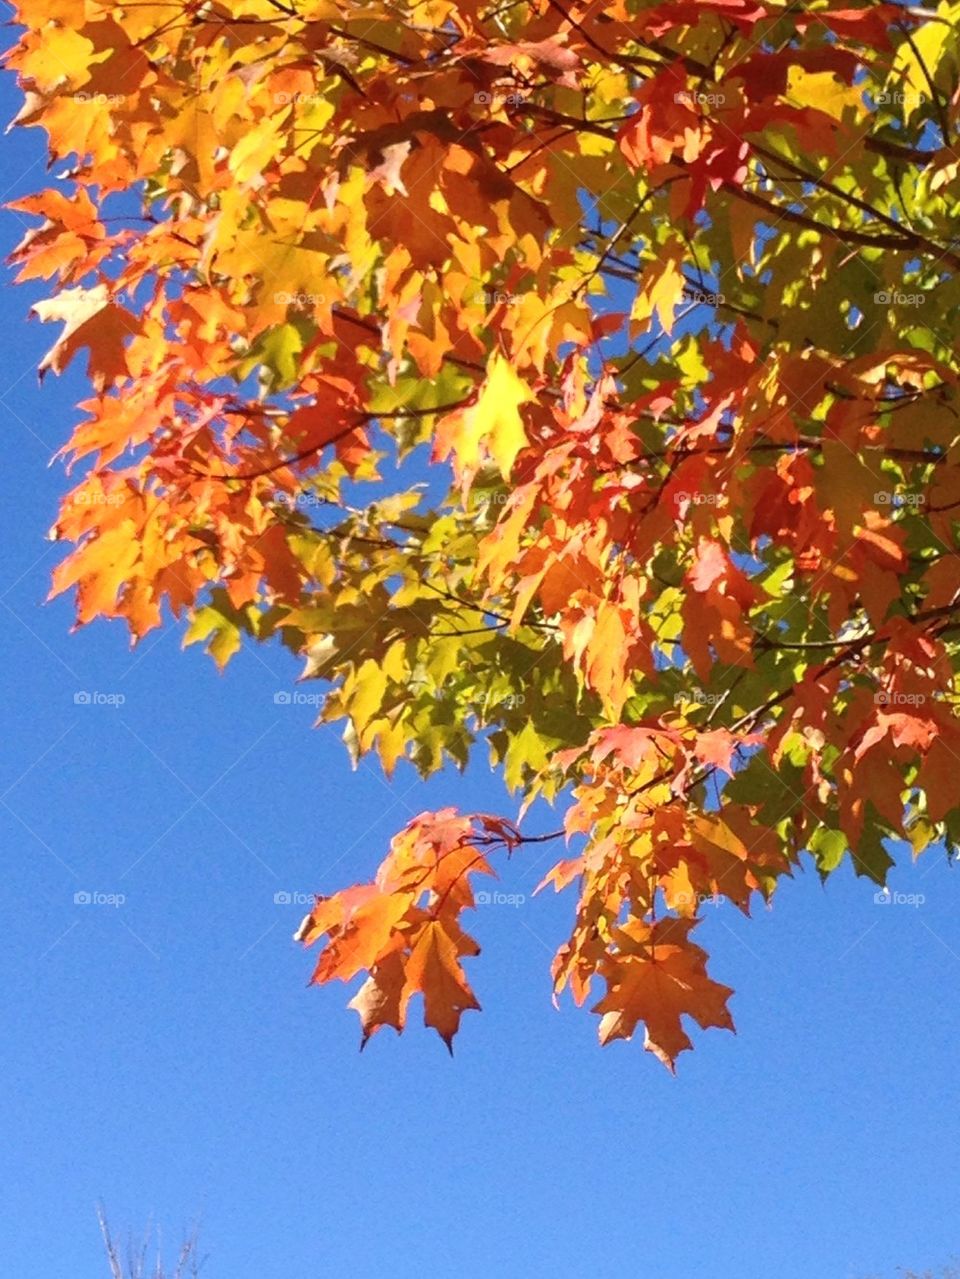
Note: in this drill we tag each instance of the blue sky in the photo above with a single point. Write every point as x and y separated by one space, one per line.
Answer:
165 1055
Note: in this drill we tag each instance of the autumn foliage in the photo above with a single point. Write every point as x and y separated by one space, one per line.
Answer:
667 295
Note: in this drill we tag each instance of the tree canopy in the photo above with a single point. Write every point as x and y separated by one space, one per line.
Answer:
572 383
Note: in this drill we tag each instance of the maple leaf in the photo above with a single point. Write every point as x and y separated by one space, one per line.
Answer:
382 999
434 970
661 289
492 424
91 319
666 123
52 55
658 978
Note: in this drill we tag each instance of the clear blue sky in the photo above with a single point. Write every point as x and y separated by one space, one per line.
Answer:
166 1056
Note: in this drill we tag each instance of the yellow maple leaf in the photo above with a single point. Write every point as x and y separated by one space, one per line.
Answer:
55 56
661 289
492 423
823 90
